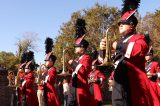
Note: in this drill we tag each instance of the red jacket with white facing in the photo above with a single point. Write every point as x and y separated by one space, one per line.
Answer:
141 91
28 85
52 98
82 70
97 85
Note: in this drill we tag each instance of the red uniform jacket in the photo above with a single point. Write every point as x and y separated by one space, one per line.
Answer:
142 93
153 67
84 97
31 96
52 98
20 78
140 88
97 86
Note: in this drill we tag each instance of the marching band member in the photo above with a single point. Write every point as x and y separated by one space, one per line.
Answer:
79 89
50 97
131 86
29 97
152 67
19 79
96 78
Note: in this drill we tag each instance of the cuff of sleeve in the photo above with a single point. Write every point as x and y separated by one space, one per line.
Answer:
99 81
158 74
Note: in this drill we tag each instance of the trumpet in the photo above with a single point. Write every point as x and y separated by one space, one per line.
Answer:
107 60
64 72
41 73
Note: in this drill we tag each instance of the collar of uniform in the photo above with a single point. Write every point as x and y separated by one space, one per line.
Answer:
126 37
149 61
81 57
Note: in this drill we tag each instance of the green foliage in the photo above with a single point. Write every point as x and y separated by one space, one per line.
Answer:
8 60
151 24
98 19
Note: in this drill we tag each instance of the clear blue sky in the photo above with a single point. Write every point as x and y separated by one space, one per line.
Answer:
45 18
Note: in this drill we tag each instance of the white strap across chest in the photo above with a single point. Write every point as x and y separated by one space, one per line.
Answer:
46 78
129 49
23 83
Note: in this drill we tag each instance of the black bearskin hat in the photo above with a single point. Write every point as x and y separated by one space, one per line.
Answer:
147 38
49 46
30 61
80 28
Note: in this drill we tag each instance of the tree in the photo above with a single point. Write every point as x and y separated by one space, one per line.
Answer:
8 60
98 19
151 24
26 43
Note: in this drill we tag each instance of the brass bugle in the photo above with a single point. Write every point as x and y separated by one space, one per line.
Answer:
107 60
64 72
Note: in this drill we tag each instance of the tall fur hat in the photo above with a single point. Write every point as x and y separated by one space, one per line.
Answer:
30 61
80 28
49 46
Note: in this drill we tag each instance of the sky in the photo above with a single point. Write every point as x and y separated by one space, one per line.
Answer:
45 17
